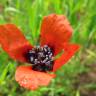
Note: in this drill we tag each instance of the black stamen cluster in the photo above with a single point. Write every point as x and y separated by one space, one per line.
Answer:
41 58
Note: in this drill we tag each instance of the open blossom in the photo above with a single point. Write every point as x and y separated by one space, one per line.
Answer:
55 37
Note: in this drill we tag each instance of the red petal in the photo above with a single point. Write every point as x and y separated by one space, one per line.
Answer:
55 30
69 51
30 79
13 41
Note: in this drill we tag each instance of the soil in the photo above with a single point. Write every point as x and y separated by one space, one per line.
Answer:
86 82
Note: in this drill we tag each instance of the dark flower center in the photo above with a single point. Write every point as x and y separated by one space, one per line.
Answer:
41 58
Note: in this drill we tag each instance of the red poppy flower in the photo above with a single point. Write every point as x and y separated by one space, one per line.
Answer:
55 35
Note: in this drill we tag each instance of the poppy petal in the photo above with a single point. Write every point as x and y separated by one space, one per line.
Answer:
13 41
31 79
55 30
69 51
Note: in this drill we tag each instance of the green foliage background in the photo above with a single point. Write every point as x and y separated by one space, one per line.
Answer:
78 76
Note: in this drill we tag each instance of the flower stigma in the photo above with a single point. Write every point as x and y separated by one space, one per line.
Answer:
41 58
